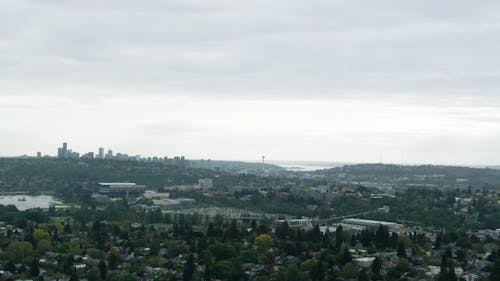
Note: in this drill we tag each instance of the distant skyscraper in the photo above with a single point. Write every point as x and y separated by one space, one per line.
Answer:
88 155
109 154
101 153
65 150
39 154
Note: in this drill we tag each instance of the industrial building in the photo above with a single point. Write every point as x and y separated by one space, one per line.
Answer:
177 201
304 223
121 187
156 195
373 225
182 188
360 224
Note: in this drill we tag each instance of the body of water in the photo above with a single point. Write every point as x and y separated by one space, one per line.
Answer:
306 165
24 202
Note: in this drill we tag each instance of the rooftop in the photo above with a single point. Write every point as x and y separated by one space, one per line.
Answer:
118 183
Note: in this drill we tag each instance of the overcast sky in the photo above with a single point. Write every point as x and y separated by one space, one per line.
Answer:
336 80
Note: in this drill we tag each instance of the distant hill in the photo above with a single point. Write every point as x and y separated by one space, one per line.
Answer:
421 175
235 166
49 174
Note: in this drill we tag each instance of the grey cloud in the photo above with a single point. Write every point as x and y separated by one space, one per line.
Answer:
99 58
282 48
170 128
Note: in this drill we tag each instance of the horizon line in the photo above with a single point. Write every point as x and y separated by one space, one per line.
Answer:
292 162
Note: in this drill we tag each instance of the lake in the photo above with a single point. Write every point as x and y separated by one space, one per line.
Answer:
24 202
306 166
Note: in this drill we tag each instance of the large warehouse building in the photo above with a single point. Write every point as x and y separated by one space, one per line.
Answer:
373 225
121 187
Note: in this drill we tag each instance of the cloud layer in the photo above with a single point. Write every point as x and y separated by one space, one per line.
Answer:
312 80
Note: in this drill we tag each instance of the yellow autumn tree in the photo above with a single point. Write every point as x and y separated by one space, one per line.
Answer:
263 242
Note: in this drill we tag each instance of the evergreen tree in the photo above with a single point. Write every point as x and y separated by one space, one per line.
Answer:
438 241
207 275
493 256
376 266
254 225
282 230
68 264
394 240
189 269
326 238
314 235
495 271
338 236
211 230
365 238
353 240
93 274
363 275
237 272
28 234
103 269
35 268
345 256
401 251
73 277
444 259
233 230
10 266
263 229
67 228
452 276
461 255
382 237
321 270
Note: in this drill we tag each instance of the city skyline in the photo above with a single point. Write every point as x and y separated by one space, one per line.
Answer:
65 152
107 153
344 81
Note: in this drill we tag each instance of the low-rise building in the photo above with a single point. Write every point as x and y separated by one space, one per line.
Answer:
156 195
177 201
121 187
181 188
205 184
373 225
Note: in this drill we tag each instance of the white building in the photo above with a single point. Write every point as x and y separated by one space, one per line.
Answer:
205 184
121 187
373 225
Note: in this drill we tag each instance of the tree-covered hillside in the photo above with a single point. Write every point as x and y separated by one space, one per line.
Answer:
439 176
70 175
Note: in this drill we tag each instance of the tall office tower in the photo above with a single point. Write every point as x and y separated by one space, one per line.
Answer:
101 153
88 155
38 154
109 154
59 152
65 150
